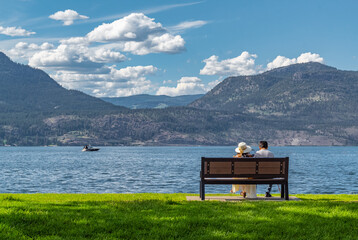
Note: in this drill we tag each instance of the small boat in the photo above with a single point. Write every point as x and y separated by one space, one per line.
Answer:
89 149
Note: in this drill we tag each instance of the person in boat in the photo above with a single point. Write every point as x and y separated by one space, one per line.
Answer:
265 153
242 151
85 147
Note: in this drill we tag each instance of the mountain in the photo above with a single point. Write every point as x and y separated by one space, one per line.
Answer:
151 101
311 92
25 89
35 110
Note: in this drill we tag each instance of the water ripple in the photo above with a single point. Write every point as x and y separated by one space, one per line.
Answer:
161 169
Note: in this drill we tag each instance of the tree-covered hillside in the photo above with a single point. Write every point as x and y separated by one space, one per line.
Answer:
310 91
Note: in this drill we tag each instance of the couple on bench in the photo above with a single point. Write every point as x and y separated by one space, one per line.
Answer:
243 150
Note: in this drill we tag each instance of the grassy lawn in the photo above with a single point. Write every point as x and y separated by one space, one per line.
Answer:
170 216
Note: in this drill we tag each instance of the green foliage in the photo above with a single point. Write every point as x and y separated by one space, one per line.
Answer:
170 216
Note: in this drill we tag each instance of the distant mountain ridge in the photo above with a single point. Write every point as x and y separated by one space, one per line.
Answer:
143 101
310 91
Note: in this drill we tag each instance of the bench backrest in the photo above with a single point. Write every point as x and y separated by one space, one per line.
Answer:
244 167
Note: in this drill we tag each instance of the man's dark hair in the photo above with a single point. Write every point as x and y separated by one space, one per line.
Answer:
263 144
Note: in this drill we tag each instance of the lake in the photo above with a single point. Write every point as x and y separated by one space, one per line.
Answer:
323 170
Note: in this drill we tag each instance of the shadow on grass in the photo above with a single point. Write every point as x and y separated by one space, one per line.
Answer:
11 198
169 219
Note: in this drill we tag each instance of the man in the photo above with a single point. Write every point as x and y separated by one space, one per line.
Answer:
263 153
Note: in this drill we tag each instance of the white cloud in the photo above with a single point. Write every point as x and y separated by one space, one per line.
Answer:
241 65
15 31
245 64
26 50
134 27
309 57
67 16
139 35
135 33
103 55
281 61
133 72
75 40
165 43
187 25
185 86
64 57
86 62
75 57
34 46
117 82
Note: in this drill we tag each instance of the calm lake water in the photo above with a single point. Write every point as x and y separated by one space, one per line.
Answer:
162 169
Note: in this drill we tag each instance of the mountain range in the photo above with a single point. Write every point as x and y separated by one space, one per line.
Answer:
302 104
310 91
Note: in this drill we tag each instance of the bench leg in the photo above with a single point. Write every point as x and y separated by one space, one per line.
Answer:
202 190
286 191
201 194
282 190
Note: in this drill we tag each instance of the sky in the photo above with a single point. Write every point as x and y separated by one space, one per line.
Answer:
114 48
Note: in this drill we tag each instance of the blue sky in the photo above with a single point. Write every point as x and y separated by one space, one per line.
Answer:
121 48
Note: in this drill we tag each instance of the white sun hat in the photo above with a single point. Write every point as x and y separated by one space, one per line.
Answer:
243 147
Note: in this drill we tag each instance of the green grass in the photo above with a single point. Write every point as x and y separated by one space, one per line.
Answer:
170 216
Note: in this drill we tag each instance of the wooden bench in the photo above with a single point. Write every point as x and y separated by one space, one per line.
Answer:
248 170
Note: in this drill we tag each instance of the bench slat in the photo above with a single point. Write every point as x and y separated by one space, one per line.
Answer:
220 168
244 181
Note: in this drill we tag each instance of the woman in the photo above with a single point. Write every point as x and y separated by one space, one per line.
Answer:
243 150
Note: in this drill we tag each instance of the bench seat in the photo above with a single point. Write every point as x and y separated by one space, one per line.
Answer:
244 171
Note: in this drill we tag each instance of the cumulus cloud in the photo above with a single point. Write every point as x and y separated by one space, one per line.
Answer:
87 62
165 43
26 50
75 57
75 40
116 83
34 46
135 33
185 86
241 65
309 57
281 61
15 31
245 64
67 17
103 55
139 35
134 27
187 25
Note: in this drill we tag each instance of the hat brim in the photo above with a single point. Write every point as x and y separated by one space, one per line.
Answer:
247 150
